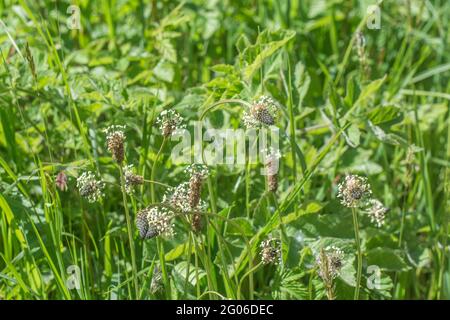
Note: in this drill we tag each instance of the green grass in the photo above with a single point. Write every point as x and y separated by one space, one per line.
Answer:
385 117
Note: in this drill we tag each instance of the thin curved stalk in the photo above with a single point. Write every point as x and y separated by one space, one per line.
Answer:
152 175
359 253
130 232
158 183
225 101
445 218
159 244
245 275
282 229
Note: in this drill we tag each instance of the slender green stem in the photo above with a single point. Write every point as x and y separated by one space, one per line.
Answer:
445 218
159 244
152 175
130 232
250 272
188 259
282 229
359 253
162 261
225 101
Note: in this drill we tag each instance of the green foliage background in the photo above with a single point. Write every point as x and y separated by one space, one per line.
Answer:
388 120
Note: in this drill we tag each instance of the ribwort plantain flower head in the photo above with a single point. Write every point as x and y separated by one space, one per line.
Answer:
354 191
272 164
376 212
90 187
180 198
270 251
329 262
169 121
160 219
131 179
198 173
196 222
263 112
145 232
155 221
115 138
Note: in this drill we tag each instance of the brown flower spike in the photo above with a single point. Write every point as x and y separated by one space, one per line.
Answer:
198 174
115 138
271 164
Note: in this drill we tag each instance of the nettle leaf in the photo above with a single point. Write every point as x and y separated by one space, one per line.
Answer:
387 259
267 43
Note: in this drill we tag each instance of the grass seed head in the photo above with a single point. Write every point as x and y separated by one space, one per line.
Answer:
90 187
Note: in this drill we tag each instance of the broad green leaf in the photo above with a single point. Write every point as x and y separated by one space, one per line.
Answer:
240 226
387 259
10 219
177 252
